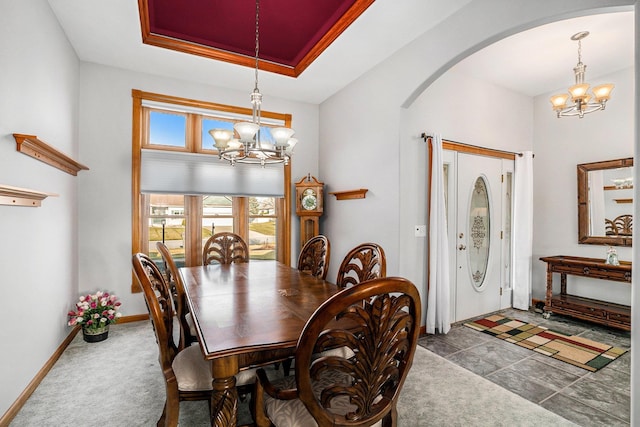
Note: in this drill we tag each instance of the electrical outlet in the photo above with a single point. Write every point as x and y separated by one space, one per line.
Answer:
420 230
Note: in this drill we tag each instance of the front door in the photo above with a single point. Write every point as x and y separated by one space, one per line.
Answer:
478 243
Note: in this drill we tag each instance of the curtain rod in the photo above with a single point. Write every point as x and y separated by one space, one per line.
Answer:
426 136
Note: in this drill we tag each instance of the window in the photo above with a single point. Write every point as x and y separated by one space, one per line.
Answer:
182 192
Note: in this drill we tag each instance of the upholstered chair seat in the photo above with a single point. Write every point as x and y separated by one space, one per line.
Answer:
193 372
191 326
293 413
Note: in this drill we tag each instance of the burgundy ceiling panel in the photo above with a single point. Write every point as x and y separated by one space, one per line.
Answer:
289 29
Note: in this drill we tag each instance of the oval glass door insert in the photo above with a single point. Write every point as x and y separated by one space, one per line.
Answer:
479 232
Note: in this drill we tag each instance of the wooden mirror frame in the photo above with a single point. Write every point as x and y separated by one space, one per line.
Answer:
583 203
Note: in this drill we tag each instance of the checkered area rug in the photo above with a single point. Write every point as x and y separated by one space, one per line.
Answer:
582 352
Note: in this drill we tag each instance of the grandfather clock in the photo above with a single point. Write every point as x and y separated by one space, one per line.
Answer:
309 205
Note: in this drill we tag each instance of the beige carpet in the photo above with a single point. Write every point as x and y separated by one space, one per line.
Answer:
118 383
440 393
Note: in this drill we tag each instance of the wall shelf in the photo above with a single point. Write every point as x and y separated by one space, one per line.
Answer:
350 194
623 200
15 196
32 146
613 187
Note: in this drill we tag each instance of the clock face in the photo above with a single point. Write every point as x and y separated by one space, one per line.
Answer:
309 201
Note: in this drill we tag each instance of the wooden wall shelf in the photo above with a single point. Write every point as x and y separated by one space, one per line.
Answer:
350 194
613 187
623 200
32 146
15 196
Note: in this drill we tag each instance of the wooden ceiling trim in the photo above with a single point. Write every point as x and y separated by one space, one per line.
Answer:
222 55
342 24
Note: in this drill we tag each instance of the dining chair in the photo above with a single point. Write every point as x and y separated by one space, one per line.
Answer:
313 259
364 262
225 248
188 334
380 323
314 256
187 374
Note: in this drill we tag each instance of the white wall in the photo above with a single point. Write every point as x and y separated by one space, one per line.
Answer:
105 192
359 144
38 96
490 116
560 145
362 126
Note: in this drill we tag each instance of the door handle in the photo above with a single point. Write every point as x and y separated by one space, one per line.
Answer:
462 247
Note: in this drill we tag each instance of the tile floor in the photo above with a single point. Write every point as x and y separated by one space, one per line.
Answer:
586 398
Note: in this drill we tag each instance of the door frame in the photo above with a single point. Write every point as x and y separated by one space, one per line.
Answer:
450 148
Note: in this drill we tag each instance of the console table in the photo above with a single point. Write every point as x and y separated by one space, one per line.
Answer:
606 313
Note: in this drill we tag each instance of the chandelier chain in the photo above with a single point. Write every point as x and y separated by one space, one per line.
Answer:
257 40
579 51
250 148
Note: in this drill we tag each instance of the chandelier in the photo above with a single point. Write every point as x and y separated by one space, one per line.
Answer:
581 102
249 148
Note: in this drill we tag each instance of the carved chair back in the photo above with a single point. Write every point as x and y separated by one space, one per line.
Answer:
364 262
314 257
380 323
225 248
159 303
620 226
179 296
187 376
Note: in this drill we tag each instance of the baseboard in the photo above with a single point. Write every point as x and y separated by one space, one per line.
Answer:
35 382
133 318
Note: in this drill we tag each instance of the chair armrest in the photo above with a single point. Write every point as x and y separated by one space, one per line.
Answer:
271 390
263 385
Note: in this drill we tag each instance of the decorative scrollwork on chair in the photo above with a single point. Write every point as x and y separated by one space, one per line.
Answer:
366 261
620 226
380 323
314 257
225 248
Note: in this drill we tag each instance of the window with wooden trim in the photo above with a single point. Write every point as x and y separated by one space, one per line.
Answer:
182 192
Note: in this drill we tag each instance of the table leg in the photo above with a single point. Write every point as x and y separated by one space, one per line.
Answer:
563 283
224 399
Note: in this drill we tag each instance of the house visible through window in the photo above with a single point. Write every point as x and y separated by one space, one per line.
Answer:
183 193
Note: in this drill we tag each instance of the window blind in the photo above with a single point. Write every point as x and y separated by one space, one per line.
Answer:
170 172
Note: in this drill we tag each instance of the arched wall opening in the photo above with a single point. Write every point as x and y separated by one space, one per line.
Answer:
514 122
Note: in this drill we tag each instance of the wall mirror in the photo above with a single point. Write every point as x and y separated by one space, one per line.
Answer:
605 202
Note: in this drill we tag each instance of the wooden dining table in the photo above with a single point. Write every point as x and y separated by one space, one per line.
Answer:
248 314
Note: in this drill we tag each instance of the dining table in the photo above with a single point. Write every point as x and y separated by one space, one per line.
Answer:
248 314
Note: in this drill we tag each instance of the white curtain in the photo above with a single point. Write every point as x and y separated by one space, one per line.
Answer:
522 230
438 316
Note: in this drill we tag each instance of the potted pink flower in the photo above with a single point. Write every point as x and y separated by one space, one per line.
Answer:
95 312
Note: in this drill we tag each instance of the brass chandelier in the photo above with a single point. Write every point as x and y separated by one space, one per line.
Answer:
249 148
581 101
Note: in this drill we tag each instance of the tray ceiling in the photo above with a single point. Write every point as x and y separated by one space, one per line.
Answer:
292 33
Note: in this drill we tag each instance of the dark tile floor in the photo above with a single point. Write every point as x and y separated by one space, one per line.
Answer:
586 398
